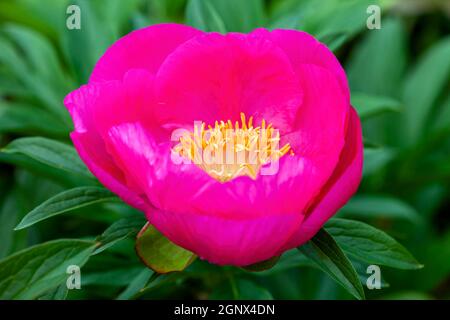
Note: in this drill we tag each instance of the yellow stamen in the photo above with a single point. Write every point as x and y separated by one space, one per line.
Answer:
226 151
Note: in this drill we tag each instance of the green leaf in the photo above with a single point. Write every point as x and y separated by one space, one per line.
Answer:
225 15
158 281
12 87
295 260
9 214
120 230
377 158
8 57
165 10
323 250
83 47
370 144
11 209
241 16
58 293
331 21
44 16
159 254
408 295
249 290
117 277
66 201
333 26
369 244
30 273
26 119
334 40
50 152
442 119
340 16
43 170
422 88
236 288
376 206
361 269
289 260
136 284
117 13
381 52
263 265
435 254
40 55
371 105
202 15
40 71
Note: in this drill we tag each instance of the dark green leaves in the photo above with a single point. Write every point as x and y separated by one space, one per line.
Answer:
225 15
369 244
376 158
248 290
324 251
240 289
136 284
373 206
442 119
360 241
58 293
262 266
423 86
159 254
120 230
40 72
370 105
379 54
9 212
334 40
50 152
66 201
332 22
82 47
27 119
202 15
31 273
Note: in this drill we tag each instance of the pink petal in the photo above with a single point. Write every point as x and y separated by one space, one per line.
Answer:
146 48
341 186
302 48
242 197
130 100
215 77
96 107
226 241
318 141
102 166
185 188
321 121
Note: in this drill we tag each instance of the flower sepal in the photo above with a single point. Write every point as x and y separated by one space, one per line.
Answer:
159 253
263 265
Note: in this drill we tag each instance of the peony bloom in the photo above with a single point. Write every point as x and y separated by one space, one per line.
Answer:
279 86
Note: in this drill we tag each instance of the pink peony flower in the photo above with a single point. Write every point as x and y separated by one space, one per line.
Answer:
279 86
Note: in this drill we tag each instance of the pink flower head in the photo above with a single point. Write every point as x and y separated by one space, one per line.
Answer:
279 86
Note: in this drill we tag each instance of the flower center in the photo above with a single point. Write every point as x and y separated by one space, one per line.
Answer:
226 151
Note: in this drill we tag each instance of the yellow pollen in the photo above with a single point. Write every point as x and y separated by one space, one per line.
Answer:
226 151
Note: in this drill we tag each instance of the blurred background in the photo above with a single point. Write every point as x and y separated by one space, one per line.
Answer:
399 78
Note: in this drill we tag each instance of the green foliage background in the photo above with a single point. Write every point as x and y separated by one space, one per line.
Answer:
399 77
